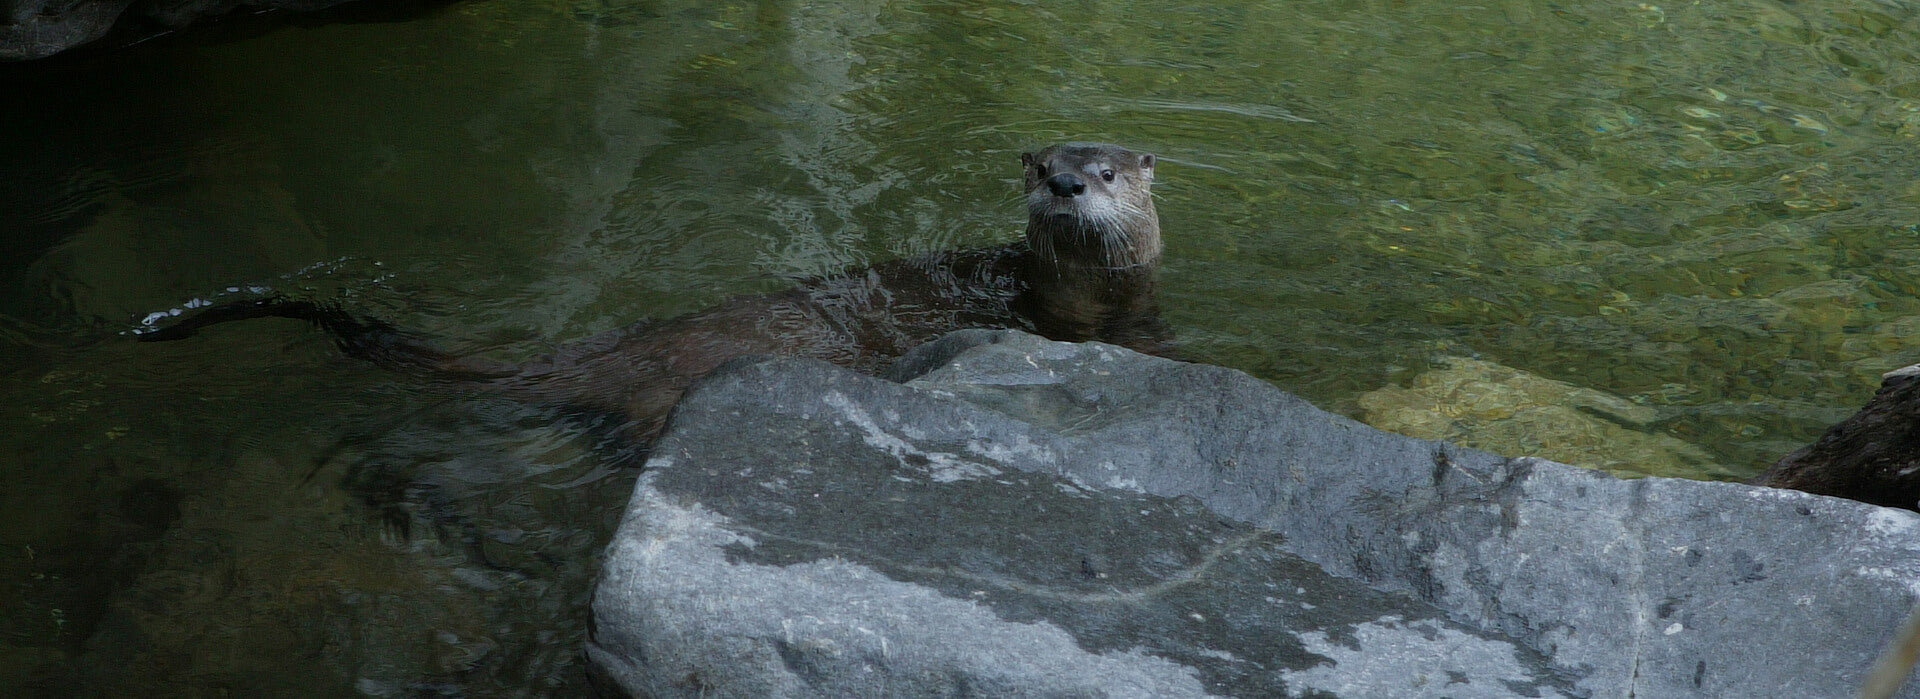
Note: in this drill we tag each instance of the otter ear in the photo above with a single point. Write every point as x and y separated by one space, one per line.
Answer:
1146 164
1026 159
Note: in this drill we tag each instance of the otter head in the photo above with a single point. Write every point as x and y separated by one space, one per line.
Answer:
1089 206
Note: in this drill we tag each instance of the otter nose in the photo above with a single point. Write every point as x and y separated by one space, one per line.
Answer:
1066 184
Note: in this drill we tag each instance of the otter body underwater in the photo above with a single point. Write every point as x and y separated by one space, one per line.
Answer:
1085 271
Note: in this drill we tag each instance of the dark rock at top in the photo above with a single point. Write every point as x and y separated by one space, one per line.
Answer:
39 28
1029 518
33 29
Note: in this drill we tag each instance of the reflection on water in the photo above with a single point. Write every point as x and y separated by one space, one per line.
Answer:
1701 217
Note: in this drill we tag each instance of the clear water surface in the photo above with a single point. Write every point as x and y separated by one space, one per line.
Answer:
1706 211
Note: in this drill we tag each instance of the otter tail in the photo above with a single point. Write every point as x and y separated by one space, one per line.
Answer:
359 337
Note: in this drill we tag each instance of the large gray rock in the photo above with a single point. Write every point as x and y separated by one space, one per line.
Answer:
1030 518
31 29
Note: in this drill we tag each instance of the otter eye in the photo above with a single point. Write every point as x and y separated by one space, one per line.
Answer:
1106 175
1040 169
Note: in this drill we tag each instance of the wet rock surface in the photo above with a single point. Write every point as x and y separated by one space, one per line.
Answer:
31 29
1023 517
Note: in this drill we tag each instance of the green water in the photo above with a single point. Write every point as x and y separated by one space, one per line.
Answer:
1705 210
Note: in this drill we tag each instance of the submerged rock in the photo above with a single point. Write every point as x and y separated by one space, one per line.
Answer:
1502 409
1023 517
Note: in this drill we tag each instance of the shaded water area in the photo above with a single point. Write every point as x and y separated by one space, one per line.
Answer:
1694 223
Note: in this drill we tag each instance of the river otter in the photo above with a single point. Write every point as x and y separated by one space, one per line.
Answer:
1873 456
1085 271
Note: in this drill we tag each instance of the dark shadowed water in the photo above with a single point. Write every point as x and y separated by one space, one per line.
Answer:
1702 215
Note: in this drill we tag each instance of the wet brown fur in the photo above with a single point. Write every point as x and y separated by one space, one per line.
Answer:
1873 456
1085 271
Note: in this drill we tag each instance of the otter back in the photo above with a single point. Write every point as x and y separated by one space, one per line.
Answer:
1085 271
